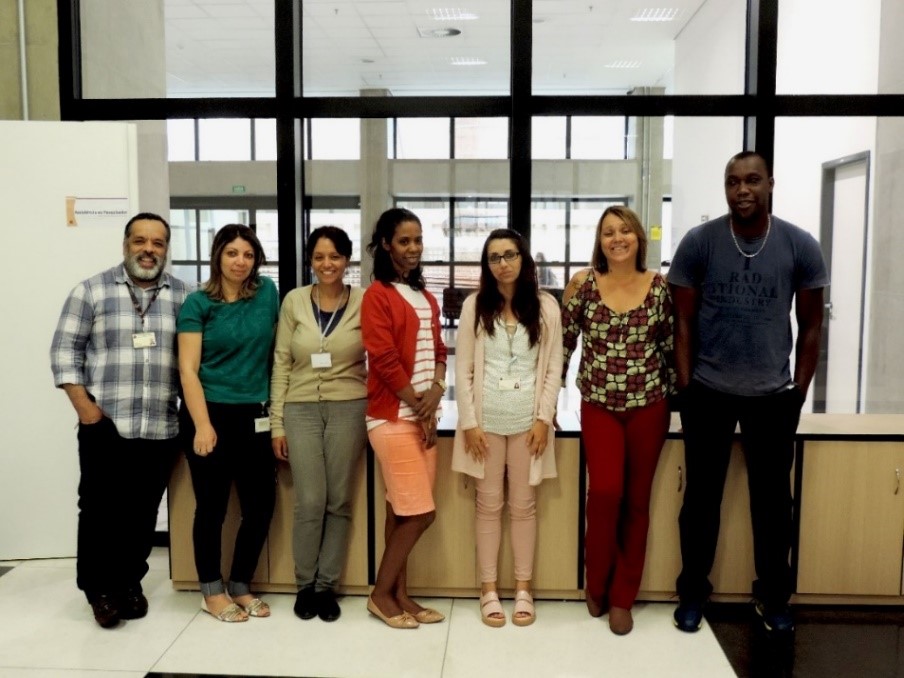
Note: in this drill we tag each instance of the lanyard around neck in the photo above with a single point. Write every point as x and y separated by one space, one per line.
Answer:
325 330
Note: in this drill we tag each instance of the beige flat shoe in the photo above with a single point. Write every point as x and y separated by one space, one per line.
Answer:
229 614
399 621
429 616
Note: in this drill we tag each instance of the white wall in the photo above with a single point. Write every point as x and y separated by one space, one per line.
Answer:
43 163
709 59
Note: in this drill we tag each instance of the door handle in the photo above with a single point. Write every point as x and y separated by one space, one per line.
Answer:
829 307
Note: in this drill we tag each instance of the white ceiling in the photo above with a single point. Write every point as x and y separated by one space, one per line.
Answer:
225 47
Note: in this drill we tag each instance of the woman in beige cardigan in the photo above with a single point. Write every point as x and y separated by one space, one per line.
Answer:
318 395
507 378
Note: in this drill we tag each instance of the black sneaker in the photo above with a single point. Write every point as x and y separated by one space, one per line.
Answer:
106 612
133 604
689 616
327 607
306 603
775 618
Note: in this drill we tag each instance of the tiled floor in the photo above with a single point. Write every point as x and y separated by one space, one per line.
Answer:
47 631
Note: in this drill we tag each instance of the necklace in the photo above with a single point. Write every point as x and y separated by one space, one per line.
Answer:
735 239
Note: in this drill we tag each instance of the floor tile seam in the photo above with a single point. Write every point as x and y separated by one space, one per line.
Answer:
173 642
442 670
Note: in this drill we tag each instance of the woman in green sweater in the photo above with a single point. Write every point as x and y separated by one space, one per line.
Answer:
318 396
225 334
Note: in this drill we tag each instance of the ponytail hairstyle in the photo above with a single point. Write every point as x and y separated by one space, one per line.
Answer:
384 230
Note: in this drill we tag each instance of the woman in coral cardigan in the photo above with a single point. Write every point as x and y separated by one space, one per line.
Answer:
405 383
507 375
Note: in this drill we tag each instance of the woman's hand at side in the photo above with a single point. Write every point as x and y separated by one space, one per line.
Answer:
280 448
429 433
427 403
205 440
537 438
476 443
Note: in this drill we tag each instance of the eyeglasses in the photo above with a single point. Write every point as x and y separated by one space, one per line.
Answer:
509 256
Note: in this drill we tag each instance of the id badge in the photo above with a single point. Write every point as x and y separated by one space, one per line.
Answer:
144 340
509 384
321 360
262 424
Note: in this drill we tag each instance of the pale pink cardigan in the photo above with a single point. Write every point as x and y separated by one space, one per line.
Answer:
469 362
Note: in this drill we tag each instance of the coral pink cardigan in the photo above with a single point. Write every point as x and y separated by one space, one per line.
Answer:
389 327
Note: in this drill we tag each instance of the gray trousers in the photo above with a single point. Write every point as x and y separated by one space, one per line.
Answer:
326 440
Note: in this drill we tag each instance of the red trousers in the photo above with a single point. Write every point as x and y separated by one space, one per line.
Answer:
622 450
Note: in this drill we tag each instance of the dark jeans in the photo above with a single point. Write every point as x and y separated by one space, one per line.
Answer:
241 456
121 485
768 424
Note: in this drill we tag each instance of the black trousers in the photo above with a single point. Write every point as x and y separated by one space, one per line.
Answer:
119 492
768 425
245 458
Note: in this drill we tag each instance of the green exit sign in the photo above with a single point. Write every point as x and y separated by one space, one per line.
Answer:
238 188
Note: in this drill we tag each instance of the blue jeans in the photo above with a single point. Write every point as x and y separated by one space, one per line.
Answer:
768 426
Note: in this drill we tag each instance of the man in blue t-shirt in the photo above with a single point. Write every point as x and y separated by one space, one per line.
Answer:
733 281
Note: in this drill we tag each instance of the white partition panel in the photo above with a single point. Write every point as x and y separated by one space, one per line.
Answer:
41 163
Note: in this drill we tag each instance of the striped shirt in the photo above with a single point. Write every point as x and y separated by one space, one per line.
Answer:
93 346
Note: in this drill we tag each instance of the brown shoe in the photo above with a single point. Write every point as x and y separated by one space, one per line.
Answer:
594 607
106 611
620 621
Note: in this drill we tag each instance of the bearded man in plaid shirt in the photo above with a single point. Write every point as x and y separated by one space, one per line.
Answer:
114 354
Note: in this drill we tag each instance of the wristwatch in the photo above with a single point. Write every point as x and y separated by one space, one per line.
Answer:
441 383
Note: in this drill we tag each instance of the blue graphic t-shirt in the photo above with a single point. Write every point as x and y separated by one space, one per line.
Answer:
744 323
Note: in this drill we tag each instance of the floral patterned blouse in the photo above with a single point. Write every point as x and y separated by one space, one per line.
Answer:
625 357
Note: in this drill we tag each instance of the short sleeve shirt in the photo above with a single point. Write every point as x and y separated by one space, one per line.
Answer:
236 343
744 336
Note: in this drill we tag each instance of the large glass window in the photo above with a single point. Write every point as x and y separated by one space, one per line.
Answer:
405 48
177 49
615 48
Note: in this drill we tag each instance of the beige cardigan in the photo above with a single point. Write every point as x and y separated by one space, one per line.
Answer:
469 362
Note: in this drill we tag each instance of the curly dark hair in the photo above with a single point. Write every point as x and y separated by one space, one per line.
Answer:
384 230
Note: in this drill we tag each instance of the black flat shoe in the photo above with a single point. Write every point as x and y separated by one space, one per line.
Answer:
306 603
133 605
106 612
327 607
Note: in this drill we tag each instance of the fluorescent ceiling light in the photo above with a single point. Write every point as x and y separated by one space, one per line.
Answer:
656 14
438 32
451 14
623 63
467 61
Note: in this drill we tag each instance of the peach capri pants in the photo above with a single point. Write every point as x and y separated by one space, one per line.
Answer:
407 466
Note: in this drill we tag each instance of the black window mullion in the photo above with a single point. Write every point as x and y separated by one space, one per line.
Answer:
520 117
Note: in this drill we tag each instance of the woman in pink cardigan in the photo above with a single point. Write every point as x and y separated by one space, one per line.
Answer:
405 383
507 379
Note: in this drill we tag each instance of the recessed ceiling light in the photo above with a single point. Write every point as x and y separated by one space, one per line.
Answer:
438 32
623 63
467 61
451 14
656 14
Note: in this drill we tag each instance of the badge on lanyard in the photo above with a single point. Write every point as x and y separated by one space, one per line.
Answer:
144 340
509 384
322 360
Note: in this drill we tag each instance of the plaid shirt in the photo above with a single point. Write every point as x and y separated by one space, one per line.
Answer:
93 346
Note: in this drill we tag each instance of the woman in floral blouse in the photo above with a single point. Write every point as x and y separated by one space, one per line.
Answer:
624 313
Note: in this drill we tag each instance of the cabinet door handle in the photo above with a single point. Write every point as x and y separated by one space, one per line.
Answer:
681 479
897 480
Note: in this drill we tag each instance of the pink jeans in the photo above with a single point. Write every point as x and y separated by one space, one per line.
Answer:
506 452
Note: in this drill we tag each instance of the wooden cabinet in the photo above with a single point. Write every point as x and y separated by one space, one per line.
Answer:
733 570
444 561
851 518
